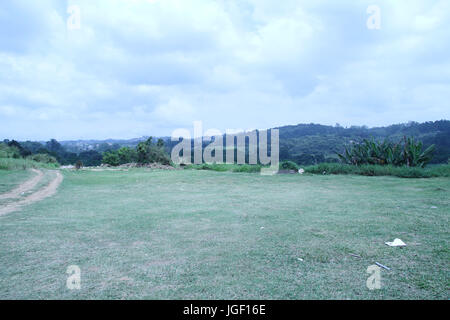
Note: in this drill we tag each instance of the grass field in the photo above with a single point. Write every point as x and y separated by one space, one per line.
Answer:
9 179
190 234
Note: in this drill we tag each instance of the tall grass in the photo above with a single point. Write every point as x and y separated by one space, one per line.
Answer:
23 164
377 170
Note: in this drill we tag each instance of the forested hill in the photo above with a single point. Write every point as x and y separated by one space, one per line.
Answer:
313 143
303 143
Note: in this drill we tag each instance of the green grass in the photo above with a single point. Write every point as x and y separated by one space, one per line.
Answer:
9 179
337 168
247 168
188 234
376 170
23 164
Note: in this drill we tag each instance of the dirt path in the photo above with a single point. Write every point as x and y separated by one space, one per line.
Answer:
24 187
39 195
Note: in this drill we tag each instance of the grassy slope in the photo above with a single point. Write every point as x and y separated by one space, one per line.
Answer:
197 234
22 164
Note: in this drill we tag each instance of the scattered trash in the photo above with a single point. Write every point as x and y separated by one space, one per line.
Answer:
324 173
355 255
433 207
382 266
301 171
262 228
299 259
396 243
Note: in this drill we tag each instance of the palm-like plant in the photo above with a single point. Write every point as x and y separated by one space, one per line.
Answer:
413 154
408 153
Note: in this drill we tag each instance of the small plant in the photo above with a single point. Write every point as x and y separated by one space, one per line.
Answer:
78 165
289 165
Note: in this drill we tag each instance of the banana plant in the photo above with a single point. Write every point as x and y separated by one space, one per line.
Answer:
408 153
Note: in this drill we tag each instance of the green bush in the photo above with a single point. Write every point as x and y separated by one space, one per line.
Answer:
288 165
145 153
404 153
127 155
378 170
43 157
9 151
111 158
223 167
249 168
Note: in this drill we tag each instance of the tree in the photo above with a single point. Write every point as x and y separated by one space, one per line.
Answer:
126 155
90 158
23 152
54 146
111 158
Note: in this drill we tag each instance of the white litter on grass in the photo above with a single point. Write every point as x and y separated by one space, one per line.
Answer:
396 243
433 207
301 171
262 228
299 259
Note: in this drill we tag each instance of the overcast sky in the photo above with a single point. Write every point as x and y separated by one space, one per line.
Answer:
140 67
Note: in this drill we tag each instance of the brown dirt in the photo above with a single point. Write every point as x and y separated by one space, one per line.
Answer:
24 187
39 195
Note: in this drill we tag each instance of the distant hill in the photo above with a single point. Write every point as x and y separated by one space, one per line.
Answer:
313 143
303 143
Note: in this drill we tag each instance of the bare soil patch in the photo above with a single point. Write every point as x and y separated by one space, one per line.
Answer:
39 195
24 187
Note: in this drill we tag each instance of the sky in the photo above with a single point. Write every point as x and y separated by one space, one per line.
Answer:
97 69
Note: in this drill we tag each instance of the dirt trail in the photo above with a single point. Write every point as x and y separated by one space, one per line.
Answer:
39 195
24 187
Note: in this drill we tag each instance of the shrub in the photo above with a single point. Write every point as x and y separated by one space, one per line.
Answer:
378 170
78 164
223 167
405 153
111 158
288 165
127 155
249 168
43 157
145 153
7 151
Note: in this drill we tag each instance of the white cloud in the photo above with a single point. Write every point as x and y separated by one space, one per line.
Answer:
146 67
